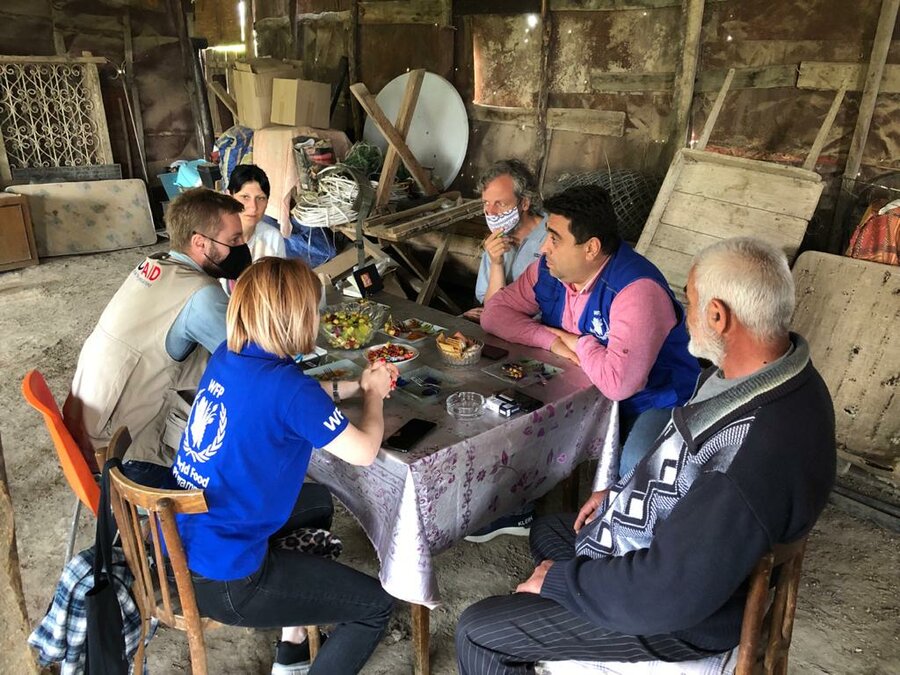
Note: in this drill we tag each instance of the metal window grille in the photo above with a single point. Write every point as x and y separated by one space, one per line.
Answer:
51 114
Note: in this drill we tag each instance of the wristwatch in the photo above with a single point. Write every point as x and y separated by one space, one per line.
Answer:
335 394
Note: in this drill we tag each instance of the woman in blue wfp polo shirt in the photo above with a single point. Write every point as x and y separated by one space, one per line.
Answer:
252 428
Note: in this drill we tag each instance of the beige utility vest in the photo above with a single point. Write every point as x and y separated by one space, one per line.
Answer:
125 376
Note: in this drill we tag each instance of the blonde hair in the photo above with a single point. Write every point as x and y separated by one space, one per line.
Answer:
274 305
197 210
752 277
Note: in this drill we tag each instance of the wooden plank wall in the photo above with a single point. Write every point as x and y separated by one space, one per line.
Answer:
848 310
610 71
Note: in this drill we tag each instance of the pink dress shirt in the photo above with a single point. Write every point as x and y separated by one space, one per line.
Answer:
641 316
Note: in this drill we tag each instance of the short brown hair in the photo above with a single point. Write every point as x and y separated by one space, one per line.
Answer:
274 306
197 210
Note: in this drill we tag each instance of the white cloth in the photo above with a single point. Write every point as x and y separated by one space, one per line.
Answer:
266 241
718 664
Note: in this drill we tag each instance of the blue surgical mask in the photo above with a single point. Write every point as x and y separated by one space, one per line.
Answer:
504 222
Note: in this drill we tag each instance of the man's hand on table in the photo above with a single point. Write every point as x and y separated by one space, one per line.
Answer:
588 512
536 580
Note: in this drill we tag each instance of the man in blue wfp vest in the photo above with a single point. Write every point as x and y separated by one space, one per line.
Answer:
592 299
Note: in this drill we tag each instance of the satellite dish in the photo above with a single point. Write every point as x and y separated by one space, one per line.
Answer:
439 133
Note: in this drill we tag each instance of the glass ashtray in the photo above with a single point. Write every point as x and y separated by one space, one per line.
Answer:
465 405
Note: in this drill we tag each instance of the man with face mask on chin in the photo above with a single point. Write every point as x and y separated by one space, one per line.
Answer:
512 210
155 335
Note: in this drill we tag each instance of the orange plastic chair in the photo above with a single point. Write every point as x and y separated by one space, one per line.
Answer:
74 465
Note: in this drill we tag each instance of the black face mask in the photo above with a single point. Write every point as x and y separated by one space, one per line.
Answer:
237 260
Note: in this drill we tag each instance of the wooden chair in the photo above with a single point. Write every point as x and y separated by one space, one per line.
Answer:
766 629
76 467
775 618
152 590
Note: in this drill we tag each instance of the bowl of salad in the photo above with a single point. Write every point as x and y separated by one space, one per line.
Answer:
351 325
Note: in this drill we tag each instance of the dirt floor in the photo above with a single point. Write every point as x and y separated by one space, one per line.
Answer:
848 618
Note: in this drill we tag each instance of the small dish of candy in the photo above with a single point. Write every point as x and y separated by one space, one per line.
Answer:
391 352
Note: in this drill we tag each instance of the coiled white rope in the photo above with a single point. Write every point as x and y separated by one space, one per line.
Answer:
333 203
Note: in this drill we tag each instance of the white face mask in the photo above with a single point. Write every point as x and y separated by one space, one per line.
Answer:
504 222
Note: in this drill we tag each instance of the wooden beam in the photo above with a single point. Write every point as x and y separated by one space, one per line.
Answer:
581 120
468 7
714 113
764 77
822 136
92 88
543 138
427 291
345 16
226 98
52 59
820 75
607 82
404 119
612 5
887 22
496 114
376 114
131 93
353 67
402 12
685 74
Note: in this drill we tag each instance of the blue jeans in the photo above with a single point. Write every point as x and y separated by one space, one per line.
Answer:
637 433
297 589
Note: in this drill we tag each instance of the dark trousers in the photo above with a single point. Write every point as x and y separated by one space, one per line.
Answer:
508 634
149 474
297 589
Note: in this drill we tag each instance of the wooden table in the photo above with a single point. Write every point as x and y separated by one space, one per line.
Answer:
464 474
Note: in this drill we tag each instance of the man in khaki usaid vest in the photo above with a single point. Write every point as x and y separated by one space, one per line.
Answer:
155 335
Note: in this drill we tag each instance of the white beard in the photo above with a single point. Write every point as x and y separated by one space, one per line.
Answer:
707 344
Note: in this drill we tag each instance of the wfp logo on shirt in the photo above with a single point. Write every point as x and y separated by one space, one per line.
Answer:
599 326
334 419
205 413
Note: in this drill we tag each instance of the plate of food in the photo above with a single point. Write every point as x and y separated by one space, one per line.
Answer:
351 325
392 352
344 369
523 372
410 330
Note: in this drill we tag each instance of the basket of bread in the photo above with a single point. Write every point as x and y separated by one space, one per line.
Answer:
459 350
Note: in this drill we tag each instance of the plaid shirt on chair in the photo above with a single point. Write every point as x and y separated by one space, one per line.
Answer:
61 635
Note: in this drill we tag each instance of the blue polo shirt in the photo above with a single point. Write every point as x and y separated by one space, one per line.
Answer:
249 437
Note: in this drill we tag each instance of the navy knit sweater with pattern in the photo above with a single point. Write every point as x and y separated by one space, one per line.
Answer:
729 478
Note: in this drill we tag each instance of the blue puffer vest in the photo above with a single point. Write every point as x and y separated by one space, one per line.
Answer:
673 376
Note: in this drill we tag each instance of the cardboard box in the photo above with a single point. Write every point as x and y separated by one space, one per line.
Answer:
252 80
301 103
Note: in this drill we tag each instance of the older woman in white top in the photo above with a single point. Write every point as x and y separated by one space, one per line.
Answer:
250 186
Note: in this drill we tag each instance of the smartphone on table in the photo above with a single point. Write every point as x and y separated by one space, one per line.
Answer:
493 352
409 434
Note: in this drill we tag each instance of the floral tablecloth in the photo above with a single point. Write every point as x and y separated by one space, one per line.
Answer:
464 474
